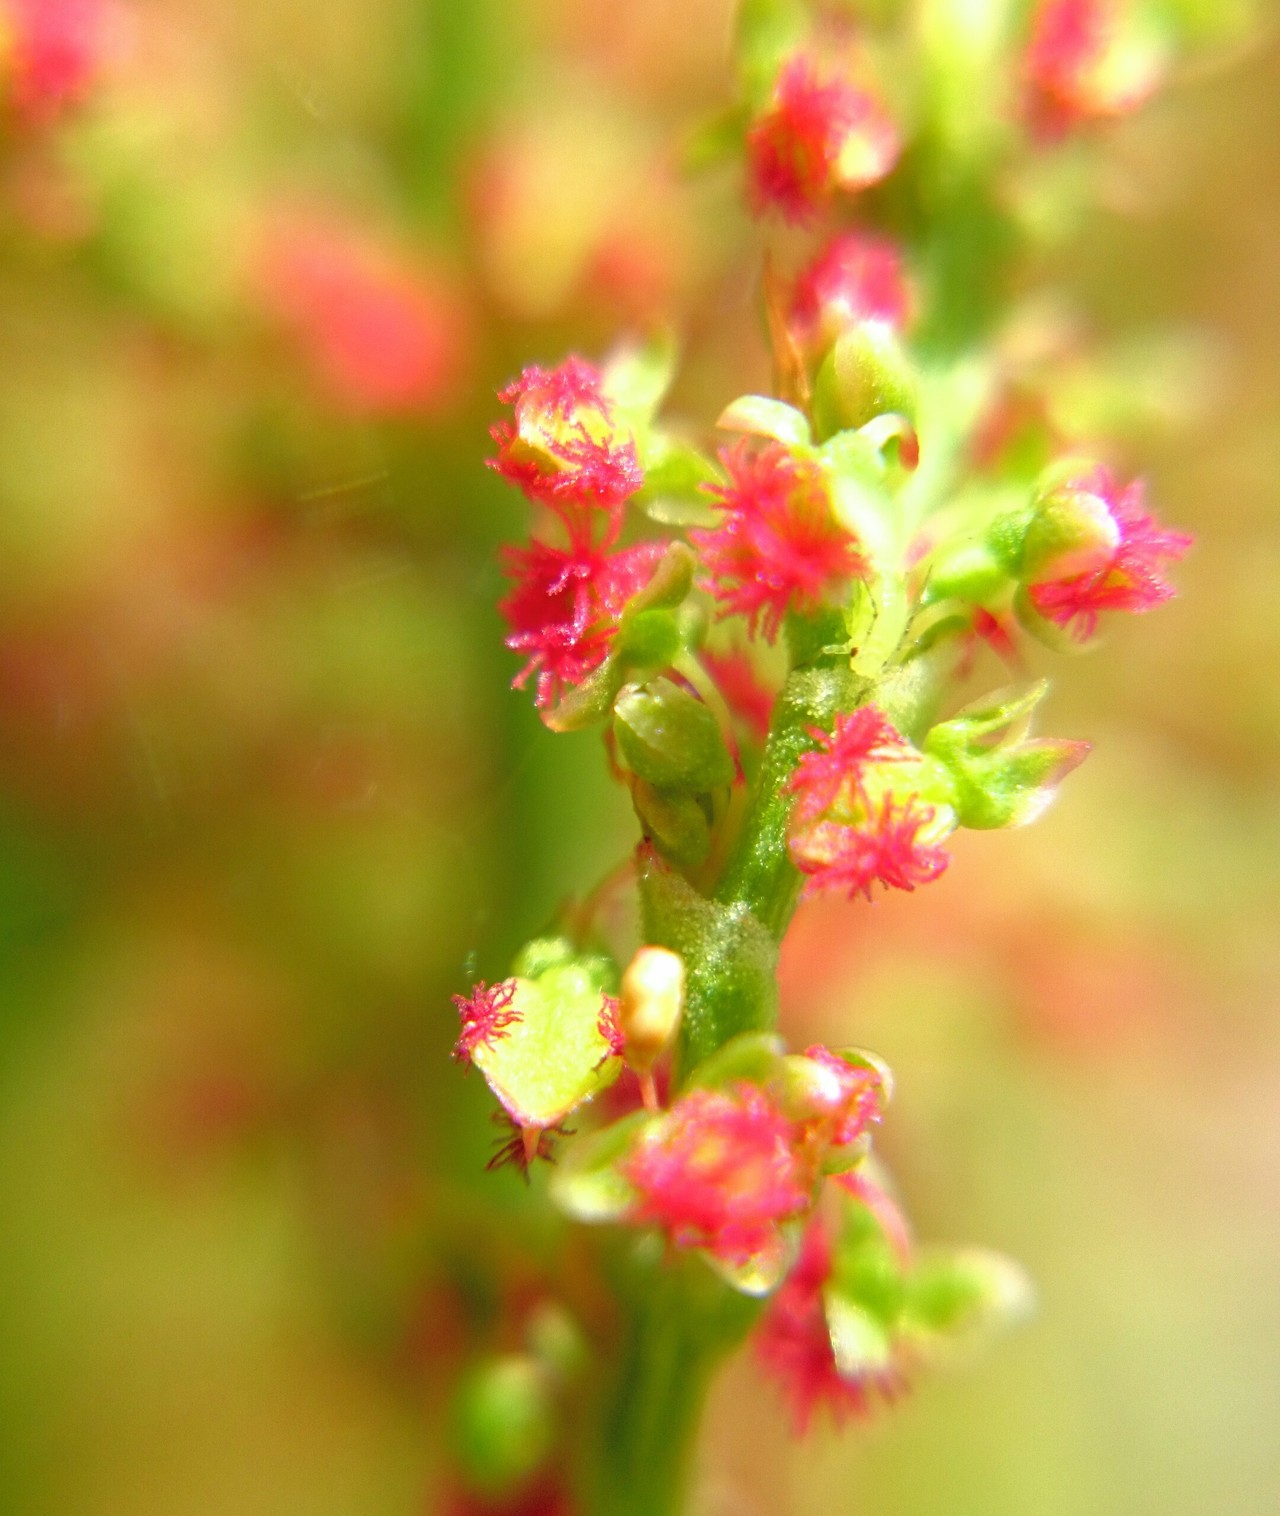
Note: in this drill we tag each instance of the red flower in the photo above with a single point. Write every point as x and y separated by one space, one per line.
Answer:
780 547
381 332
57 50
1128 549
857 277
486 1016
819 134
855 1099
793 1343
1085 61
565 449
859 818
719 1172
564 609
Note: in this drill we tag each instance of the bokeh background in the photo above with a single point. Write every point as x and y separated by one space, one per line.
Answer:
266 799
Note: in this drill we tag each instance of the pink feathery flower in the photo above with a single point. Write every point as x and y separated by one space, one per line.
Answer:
819 134
57 51
858 818
487 1016
565 449
1084 62
834 769
1128 549
793 1343
564 608
779 547
719 1171
382 332
857 277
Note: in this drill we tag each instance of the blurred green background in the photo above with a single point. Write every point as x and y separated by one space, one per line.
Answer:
266 800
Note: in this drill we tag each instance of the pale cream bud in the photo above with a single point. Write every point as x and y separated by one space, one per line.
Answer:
650 1004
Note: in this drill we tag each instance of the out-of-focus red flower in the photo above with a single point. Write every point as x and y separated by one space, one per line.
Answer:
382 331
793 1343
563 611
564 448
545 1497
857 277
1115 565
859 818
1086 61
719 1172
745 693
779 547
56 52
820 133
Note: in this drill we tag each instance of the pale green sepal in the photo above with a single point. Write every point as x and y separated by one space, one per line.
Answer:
554 1057
760 416
587 1183
859 1342
751 1057
963 1295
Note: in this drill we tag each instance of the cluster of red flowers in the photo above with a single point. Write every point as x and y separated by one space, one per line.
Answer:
779 547
857 819
486 1015
566 452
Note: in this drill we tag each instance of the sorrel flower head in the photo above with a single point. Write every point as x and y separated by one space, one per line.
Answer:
487 1015
381 331
718 1171
857 277
869 809
793 1343
779 547
563 611
1092 547
819 134
565 447
1086 60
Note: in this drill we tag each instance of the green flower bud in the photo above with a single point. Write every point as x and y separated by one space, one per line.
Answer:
503 1422
670 739
865 375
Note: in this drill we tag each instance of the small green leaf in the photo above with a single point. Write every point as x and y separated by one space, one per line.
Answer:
637 377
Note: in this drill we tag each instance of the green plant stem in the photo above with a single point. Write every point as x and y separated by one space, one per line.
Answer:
682 1322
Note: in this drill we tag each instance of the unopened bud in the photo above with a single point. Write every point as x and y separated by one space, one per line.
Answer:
650 1004
865 375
